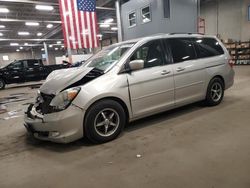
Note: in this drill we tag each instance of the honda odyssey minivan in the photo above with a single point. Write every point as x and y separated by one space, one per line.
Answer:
128 81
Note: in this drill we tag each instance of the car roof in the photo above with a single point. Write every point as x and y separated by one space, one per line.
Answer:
166 35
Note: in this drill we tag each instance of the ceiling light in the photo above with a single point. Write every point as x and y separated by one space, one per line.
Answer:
109 20
21 47
104 25
32 23
59 42
99 35
39 34
4 10
49 26
1 34
62 46
42 49
23 33
56 48
44 7
50 45
114 28
2 26
18 50
26 44
14 44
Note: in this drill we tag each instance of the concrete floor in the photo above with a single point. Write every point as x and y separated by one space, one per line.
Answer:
190 147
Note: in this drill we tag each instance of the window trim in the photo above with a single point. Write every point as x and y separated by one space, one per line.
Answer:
150 12
129 26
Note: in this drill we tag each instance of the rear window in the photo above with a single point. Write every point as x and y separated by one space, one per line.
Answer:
208 47
182 49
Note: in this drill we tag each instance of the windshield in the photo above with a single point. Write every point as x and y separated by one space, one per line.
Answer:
108 57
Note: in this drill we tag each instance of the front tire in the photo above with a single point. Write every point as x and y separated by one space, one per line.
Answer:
104 121
215 92
2 84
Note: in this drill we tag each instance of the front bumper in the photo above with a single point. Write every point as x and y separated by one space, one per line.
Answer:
61 127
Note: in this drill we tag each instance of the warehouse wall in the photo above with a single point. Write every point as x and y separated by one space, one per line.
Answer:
228 18
28 55
183 18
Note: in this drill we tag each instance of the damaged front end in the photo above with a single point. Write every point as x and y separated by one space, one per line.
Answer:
52 117
44 102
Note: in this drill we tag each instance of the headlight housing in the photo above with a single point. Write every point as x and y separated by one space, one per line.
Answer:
63 100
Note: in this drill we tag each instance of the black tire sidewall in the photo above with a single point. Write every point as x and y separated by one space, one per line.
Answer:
89 129
1 80
209 100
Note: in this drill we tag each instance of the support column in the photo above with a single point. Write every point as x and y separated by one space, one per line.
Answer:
70 55
46 53
32 53
119 23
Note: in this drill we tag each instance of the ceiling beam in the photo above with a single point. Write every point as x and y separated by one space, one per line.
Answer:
31 45
37 40
30 2
44 21
21 20
49 3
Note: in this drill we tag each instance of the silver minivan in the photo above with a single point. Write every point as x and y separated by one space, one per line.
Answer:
128 81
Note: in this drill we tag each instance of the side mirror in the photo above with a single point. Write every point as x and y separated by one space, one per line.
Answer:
136 64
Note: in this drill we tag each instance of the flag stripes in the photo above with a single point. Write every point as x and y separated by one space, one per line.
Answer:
79 27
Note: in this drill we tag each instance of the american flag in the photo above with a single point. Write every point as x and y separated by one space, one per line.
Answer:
79 23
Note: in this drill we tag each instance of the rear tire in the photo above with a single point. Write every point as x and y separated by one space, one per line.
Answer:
215 92
104 121
2 84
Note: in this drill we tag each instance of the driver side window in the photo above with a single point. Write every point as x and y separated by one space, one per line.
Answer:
151 53
17 65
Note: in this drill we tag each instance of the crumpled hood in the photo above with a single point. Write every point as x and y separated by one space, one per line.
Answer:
60 79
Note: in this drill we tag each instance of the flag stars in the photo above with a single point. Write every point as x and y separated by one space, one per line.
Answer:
86 5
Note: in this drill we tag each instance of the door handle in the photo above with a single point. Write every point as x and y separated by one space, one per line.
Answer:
179 69
165 72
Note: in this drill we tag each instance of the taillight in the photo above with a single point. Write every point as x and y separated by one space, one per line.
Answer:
231 63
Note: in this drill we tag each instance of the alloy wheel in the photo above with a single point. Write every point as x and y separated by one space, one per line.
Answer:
106 122
216 91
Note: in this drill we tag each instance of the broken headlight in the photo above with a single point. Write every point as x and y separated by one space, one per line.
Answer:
64 98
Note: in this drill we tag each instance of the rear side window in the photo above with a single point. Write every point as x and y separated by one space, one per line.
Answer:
182 49
208 47
33 63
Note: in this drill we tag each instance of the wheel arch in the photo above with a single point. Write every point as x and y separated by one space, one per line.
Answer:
220 77
1 77
3 81
117 99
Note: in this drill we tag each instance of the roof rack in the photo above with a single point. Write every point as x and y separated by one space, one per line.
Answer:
156 34
186 33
